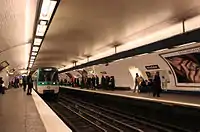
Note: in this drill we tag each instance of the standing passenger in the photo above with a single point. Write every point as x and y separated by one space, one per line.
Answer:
107 80
93 82
156 85
112 80
97 81
24 83
140 83
17 82
136 82
30 84
103 82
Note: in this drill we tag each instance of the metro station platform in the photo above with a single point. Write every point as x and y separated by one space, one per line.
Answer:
22 113
166 98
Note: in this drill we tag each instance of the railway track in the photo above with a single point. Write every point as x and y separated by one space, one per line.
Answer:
103 121
121 121
160 126
75 120
87 117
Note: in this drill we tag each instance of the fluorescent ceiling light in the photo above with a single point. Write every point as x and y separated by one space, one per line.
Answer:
192 23
129 57
34 53
187 44
32 57
48 7
41 30
35 48
30 65
161 50
143 54
37 41
116 60
43 22
31 62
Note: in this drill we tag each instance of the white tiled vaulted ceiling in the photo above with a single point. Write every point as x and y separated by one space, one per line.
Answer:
88 27
16 29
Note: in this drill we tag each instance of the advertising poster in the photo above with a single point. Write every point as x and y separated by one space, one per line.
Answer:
150 75
3 65
76 74
69 75
83 73
185 65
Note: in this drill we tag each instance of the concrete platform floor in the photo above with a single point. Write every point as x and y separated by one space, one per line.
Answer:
18 113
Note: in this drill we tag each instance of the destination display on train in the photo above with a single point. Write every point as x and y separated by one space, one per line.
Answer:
185 65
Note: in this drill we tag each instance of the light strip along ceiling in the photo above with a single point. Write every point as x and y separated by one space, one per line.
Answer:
46 13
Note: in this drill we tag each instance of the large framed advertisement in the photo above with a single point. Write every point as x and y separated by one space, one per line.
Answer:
185 65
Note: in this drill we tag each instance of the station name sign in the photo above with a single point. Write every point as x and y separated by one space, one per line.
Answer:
152 67
3 65
103 72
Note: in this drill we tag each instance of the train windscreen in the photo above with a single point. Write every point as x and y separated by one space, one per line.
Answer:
48 74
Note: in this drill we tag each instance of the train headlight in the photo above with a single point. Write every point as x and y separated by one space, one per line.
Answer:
54 83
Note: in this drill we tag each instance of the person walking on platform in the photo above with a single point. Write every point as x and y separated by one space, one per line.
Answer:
156 85
136 82
30 84
24 83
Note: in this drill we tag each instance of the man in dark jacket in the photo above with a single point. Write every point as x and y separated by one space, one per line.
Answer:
103 82
97 81
24 83
156 85
30 84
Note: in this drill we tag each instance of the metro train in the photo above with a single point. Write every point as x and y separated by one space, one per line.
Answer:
45 80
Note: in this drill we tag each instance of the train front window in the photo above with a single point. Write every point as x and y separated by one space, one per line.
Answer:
48 75
55 77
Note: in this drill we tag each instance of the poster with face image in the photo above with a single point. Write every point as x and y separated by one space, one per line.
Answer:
185 65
